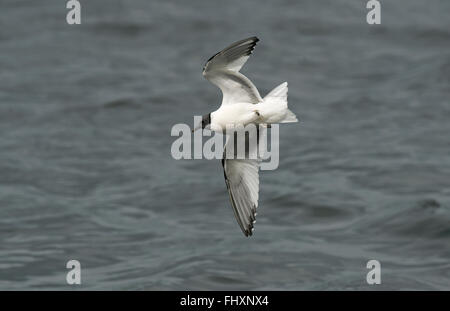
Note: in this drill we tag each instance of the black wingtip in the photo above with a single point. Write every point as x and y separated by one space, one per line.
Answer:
249 232
254 40
250 40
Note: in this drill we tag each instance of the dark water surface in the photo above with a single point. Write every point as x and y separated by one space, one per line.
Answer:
86 171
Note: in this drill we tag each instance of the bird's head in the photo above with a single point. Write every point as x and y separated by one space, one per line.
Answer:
206 120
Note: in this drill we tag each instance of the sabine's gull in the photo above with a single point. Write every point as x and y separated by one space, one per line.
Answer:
242 105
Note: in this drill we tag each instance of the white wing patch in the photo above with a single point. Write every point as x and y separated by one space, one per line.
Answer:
242 180
222 70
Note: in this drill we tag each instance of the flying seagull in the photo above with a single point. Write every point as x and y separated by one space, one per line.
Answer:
242 105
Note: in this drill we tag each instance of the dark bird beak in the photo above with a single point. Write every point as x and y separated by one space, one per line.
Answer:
197 127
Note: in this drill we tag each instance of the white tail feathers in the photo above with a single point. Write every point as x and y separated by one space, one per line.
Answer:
279 93
276 105
289 117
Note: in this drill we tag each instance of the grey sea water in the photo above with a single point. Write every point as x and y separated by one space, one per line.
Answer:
86 171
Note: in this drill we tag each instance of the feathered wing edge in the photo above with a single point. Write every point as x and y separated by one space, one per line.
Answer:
242 181
232 57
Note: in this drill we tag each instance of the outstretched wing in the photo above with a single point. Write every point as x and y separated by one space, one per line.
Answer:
242 180
222 70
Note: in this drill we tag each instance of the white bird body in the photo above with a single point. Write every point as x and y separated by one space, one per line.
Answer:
272 109
241 105
233 115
